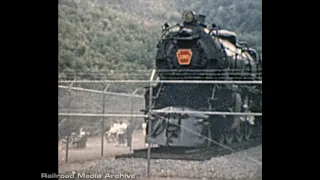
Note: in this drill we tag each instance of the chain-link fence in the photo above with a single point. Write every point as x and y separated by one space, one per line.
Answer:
87 112
216 121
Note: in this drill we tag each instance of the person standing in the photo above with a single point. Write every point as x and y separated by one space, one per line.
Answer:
112 133
249 118
144 127
129 135
82 132
121 132
144 130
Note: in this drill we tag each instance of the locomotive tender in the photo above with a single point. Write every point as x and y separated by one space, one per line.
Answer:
197 51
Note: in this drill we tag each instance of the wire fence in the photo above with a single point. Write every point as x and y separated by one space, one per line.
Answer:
166 119
86 114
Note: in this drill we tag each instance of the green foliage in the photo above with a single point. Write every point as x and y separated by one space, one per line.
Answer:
100 36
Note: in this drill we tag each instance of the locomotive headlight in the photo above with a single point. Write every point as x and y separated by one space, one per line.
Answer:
188 16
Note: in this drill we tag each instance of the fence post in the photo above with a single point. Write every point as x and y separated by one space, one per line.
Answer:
102 121
69 107
131 120
149 120
149 127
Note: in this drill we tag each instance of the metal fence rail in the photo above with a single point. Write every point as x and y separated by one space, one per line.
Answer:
100 107
162 81
96 108
102 115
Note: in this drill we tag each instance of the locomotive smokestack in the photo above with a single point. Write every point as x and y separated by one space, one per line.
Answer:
202 19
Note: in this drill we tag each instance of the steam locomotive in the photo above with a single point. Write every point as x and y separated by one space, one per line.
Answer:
197 51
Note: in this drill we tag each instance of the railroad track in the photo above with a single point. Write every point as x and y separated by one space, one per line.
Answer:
193 154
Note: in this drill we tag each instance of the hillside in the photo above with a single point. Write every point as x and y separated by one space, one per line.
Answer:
101 39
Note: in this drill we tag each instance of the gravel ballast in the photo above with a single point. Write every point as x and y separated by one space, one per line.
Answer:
232 166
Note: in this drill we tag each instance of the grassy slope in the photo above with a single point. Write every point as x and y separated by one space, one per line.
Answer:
101 38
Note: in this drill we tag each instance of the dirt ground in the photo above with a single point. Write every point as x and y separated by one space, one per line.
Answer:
93 151
77 158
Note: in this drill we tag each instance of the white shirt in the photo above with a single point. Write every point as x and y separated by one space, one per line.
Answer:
82 133
112 130
116 125
144 125
122 128
248 118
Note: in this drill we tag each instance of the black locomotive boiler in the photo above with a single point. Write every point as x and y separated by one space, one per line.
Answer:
197 51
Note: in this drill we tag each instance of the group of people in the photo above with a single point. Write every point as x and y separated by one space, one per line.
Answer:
121 133
118 132
76 140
